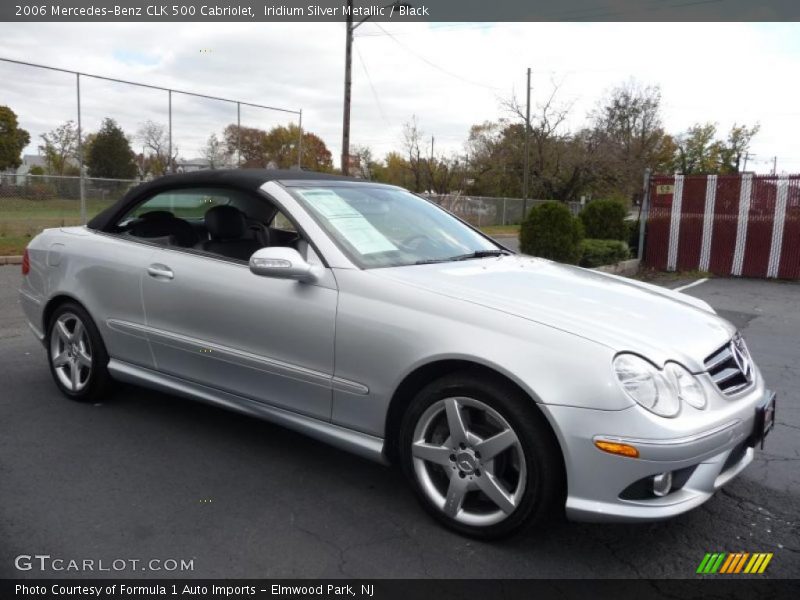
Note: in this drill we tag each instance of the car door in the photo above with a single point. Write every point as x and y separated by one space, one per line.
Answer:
108 279
211 321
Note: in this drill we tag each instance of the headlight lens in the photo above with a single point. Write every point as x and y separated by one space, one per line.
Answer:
688 388
646 385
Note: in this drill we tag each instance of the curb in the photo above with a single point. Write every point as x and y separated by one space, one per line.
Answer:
10 260
624 268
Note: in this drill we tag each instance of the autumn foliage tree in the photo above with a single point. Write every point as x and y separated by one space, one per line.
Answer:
276 148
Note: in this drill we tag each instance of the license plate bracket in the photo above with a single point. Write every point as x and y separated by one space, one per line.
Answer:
764 421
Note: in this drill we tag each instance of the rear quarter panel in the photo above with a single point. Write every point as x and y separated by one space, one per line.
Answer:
100 272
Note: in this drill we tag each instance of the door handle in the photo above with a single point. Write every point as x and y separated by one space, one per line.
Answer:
160 271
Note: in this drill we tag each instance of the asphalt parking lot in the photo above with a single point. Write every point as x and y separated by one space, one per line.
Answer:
145 475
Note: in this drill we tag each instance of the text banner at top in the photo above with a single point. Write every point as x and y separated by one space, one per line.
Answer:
415 10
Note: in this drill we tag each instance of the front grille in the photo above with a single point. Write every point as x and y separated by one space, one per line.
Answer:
731 367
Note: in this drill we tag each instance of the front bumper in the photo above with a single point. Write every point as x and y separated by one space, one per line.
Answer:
712 449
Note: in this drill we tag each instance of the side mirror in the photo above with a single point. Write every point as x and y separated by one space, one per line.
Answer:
282 263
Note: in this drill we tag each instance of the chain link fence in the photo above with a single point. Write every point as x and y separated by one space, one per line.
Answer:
483 211
31 203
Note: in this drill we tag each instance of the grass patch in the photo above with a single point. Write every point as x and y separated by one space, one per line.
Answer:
22 219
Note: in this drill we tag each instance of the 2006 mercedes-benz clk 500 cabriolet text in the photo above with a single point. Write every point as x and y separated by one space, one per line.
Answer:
507 387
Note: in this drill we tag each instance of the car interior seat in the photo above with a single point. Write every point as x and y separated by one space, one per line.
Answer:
228 233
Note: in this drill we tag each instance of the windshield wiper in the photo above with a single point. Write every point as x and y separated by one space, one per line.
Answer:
476 254
481 254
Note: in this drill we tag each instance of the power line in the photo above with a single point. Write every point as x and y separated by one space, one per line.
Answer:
371 86
432 64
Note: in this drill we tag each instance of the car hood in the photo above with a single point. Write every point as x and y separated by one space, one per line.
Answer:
624 314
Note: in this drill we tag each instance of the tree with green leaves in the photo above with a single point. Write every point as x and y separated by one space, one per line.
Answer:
110 154
736 146
13 139
60 149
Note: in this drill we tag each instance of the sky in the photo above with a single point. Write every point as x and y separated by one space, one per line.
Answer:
449 75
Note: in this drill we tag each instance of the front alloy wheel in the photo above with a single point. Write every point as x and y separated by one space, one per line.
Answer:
480 456
469 461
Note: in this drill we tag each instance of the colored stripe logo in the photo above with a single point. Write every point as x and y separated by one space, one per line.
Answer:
734 563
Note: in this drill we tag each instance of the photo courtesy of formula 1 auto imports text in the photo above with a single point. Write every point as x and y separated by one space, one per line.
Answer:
388 299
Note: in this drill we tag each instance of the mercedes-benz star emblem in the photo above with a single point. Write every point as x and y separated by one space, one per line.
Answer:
741 358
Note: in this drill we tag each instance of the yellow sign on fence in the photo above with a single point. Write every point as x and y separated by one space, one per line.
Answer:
665 189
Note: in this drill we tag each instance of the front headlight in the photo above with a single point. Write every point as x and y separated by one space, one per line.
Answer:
658 391
689 389
646 385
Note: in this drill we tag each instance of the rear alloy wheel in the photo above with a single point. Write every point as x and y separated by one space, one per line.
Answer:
480 458
76 354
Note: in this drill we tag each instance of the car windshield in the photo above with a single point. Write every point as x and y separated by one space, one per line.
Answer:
387 227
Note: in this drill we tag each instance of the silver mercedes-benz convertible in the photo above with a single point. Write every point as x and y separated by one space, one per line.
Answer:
508 387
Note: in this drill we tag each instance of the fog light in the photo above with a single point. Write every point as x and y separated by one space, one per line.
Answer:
662 484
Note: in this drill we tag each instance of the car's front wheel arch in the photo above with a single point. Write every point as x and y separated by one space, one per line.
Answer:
417 379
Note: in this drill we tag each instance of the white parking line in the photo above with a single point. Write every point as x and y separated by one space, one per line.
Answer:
688 285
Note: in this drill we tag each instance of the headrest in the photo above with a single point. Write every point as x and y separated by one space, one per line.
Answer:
225 223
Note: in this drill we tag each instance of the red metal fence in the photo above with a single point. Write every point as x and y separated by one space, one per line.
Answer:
741 225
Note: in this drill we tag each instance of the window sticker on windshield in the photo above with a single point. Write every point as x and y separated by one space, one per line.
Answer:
353 226
329 205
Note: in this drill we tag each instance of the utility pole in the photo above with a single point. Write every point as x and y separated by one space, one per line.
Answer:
348 64
746 156
80 151
774 165
527 147
350 27
431 168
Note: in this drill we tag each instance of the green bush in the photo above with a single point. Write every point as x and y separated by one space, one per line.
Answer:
605 220
596 253
550 231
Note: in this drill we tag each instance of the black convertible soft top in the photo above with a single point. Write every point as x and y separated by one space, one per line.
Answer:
243 179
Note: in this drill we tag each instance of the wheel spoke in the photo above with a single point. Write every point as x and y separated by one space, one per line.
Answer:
74 373
435 454
491 447
77 333
83 359
61 360
493 489
455 421
455 495
63 332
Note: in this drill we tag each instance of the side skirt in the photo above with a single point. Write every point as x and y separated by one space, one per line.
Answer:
366 446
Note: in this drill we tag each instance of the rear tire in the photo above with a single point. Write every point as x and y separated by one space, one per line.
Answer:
76 354
480 456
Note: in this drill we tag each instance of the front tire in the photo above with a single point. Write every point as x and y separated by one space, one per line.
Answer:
480 457
76 354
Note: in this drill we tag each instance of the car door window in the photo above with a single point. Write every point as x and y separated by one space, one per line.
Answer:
223 222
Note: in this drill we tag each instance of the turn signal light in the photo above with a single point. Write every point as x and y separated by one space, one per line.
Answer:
617 448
